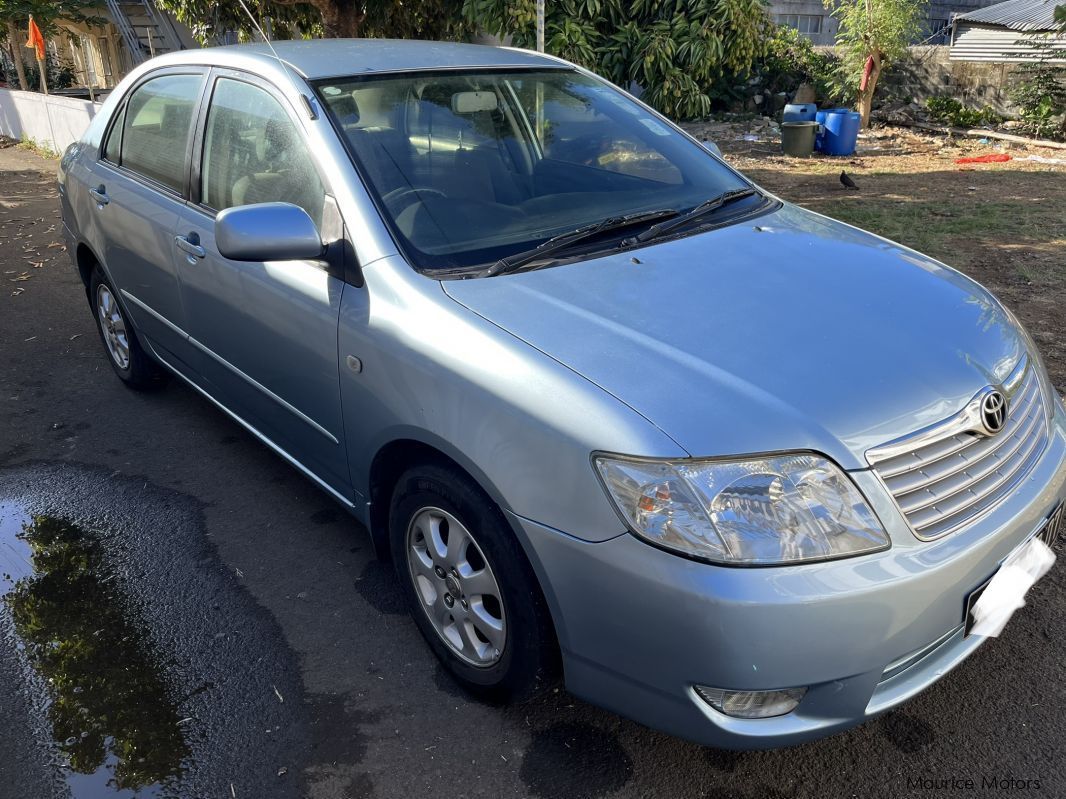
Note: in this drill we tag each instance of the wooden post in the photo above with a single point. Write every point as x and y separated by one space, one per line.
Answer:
43 67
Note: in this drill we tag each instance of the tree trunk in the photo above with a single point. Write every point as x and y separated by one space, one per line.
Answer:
341 19
16 54
866 96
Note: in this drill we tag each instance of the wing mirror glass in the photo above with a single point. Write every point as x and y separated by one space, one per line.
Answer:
711 147
267 232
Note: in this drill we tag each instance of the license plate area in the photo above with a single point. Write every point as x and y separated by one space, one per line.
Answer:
1048 533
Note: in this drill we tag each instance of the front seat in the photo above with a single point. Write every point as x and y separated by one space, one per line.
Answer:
279 175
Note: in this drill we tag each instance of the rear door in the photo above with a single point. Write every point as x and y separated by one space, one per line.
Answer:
138 187
266 332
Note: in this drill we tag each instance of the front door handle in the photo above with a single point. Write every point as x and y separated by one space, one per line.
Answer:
100 195
191 245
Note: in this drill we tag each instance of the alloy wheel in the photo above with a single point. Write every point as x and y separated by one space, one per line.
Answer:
456 586
113 326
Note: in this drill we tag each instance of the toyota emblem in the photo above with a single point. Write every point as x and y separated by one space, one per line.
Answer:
993 411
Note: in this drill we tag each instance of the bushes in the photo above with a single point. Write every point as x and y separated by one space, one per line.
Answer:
1040 94
949 111
790 60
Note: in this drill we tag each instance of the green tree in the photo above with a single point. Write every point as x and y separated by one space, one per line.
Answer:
15 16
1038 88
872 35
431 19
677 50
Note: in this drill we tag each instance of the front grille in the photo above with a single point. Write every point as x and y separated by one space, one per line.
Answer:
943 482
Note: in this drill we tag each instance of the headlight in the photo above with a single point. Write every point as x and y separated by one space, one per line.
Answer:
758 511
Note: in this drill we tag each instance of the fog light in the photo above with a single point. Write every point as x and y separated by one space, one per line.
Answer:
752 704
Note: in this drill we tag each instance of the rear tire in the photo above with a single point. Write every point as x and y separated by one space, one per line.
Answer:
469 585
134 367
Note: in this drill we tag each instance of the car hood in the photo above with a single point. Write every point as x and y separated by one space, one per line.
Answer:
789 332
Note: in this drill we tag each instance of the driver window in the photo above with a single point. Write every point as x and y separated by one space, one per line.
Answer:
253 153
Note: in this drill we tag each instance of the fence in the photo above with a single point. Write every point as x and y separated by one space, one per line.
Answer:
51 122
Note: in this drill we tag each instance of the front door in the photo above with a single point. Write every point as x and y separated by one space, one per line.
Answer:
266 332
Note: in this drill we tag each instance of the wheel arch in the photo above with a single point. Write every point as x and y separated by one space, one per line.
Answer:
86 260
395 457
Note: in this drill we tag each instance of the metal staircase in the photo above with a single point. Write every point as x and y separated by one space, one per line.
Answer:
145 30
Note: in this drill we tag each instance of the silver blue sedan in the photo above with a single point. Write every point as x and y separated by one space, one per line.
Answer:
621 417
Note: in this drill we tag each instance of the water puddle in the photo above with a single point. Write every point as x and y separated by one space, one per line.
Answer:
112 716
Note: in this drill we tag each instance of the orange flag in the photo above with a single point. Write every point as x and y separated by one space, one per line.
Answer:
36 40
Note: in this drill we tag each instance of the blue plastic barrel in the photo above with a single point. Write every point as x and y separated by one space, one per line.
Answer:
799 112
839 132
819 117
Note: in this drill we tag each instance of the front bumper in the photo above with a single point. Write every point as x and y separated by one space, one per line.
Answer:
639 627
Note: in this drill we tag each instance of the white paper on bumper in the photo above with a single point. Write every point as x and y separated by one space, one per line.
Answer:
1006 591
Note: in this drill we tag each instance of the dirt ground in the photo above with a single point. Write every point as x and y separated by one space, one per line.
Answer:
1004 224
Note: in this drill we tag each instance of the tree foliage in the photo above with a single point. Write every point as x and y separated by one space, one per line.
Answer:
1038 88
874 32
46 13
14 20
676 50
790 60
432 19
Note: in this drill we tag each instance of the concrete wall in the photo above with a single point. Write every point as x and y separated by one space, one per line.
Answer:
52 122
929 72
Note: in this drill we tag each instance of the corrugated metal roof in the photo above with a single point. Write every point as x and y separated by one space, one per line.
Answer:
1019 15
981 42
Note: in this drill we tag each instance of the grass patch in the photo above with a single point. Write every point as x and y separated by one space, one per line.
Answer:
40 148
951 233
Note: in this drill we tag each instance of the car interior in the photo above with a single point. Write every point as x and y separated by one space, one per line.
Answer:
442 153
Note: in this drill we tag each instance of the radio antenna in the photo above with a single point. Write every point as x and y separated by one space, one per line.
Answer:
308 107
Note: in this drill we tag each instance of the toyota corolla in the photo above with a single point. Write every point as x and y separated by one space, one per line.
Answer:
621 417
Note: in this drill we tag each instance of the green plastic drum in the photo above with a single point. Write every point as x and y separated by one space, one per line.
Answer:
797 138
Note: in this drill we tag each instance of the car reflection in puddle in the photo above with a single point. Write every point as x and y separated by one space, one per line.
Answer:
112 716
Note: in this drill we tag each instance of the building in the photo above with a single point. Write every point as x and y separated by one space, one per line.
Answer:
814 20
1016 31
129 32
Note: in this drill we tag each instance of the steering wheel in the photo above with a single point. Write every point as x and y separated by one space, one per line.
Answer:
408 195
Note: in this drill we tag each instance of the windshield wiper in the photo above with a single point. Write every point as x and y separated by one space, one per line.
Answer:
702 209
553 245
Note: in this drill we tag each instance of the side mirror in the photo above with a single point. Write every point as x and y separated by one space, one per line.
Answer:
711 147
267 232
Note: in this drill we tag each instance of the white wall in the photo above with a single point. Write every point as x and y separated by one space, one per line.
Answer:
52 122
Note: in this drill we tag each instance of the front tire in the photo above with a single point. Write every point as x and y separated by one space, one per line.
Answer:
129 360
470 588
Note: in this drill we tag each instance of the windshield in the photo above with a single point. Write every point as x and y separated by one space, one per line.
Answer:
472 167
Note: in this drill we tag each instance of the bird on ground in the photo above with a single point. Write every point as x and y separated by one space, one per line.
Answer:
847 181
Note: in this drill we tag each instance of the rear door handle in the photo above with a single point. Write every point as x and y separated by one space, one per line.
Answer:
100 195
190 245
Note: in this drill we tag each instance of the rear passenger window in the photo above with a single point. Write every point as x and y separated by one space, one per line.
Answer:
155 131
253 153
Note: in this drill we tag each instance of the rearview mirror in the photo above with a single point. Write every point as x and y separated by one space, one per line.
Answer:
473 102
267 232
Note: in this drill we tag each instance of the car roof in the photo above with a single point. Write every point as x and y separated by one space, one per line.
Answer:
324 58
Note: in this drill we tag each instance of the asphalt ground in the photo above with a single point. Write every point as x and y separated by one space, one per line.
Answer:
270 636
